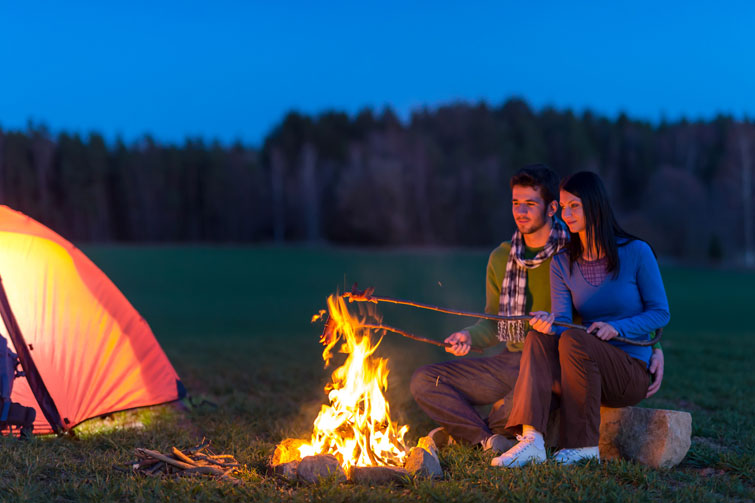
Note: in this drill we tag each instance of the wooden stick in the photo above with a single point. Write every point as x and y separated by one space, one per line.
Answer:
201 457
183 457
416 337
471 314
366 296
167 459
210 470
203 445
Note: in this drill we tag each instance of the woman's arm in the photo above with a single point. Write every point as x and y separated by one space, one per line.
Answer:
655 313
561 300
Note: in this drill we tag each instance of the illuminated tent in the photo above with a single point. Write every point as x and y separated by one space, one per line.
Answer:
85 349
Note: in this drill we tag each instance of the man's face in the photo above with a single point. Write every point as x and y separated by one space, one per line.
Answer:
529 209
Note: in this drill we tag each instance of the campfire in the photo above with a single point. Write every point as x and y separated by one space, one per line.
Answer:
356 427
353 434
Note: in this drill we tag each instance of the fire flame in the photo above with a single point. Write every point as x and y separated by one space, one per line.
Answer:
356 427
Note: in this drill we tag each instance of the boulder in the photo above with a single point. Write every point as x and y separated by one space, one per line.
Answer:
313 468
378 474
654 437
287 471
287 451
422 463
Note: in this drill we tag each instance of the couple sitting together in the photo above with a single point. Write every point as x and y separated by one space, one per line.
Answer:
588 271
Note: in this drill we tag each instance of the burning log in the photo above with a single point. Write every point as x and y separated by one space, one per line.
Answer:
198 460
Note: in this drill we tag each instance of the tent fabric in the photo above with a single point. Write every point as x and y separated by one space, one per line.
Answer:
93 350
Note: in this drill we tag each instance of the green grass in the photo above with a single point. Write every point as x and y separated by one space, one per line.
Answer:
235 323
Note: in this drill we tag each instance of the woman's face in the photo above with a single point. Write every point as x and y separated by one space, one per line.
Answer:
572 211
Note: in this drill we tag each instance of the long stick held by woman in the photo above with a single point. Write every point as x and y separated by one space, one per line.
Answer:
613 281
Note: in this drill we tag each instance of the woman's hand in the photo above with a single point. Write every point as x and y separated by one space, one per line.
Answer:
542 322
603 330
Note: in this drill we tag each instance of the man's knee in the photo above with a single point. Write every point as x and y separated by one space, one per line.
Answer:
421 379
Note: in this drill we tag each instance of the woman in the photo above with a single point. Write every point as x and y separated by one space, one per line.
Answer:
612 280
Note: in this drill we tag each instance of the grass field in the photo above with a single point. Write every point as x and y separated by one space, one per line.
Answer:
235 323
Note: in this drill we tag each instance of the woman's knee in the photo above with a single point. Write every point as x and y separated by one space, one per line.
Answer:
572 339
536 341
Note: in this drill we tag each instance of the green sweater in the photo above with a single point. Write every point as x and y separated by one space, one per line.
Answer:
538 291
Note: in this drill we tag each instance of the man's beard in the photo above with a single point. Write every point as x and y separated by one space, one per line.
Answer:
532 226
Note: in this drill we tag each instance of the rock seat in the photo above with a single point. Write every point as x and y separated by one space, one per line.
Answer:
655 437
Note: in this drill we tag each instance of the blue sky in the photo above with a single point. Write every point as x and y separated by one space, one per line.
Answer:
231 70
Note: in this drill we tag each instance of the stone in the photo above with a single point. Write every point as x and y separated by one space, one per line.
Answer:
654 437
322 466
440 437
286 471
422 463
428 444
287 451
378 474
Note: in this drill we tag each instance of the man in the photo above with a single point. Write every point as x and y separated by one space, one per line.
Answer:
518 283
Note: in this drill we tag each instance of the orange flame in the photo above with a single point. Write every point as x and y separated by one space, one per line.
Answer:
356 427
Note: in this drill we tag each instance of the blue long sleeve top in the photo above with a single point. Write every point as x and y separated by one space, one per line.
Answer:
634 303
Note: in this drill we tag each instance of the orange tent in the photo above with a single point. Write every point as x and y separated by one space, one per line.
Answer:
85 349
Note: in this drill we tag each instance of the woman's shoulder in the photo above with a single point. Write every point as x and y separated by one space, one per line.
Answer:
637 248
633 245
560 259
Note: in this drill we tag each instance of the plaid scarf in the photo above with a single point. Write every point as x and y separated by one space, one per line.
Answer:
513 297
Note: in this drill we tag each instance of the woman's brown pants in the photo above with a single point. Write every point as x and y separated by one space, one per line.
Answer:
581 372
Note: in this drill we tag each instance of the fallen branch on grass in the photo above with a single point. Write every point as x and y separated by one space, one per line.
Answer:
195 461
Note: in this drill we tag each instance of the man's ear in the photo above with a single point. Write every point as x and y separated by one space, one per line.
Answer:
552 208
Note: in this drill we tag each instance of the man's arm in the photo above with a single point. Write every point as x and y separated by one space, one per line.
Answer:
484 333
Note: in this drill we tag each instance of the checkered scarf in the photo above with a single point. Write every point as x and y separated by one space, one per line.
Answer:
513 297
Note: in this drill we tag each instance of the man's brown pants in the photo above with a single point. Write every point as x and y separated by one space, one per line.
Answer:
583 372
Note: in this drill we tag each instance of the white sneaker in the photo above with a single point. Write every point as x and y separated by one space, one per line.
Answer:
571 456
530 449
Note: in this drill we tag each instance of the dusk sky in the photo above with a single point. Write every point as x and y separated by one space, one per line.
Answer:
231 70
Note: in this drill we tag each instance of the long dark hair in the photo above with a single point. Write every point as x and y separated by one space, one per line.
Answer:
601 226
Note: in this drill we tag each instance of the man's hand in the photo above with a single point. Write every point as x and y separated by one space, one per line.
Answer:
656 369
542 322
461 343
603 331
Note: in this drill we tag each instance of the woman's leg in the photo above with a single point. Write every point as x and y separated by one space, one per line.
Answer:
538 371
532 400
594 372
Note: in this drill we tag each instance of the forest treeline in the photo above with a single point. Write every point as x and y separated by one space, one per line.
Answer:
439 178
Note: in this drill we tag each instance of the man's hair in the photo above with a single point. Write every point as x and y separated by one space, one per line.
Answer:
539 176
